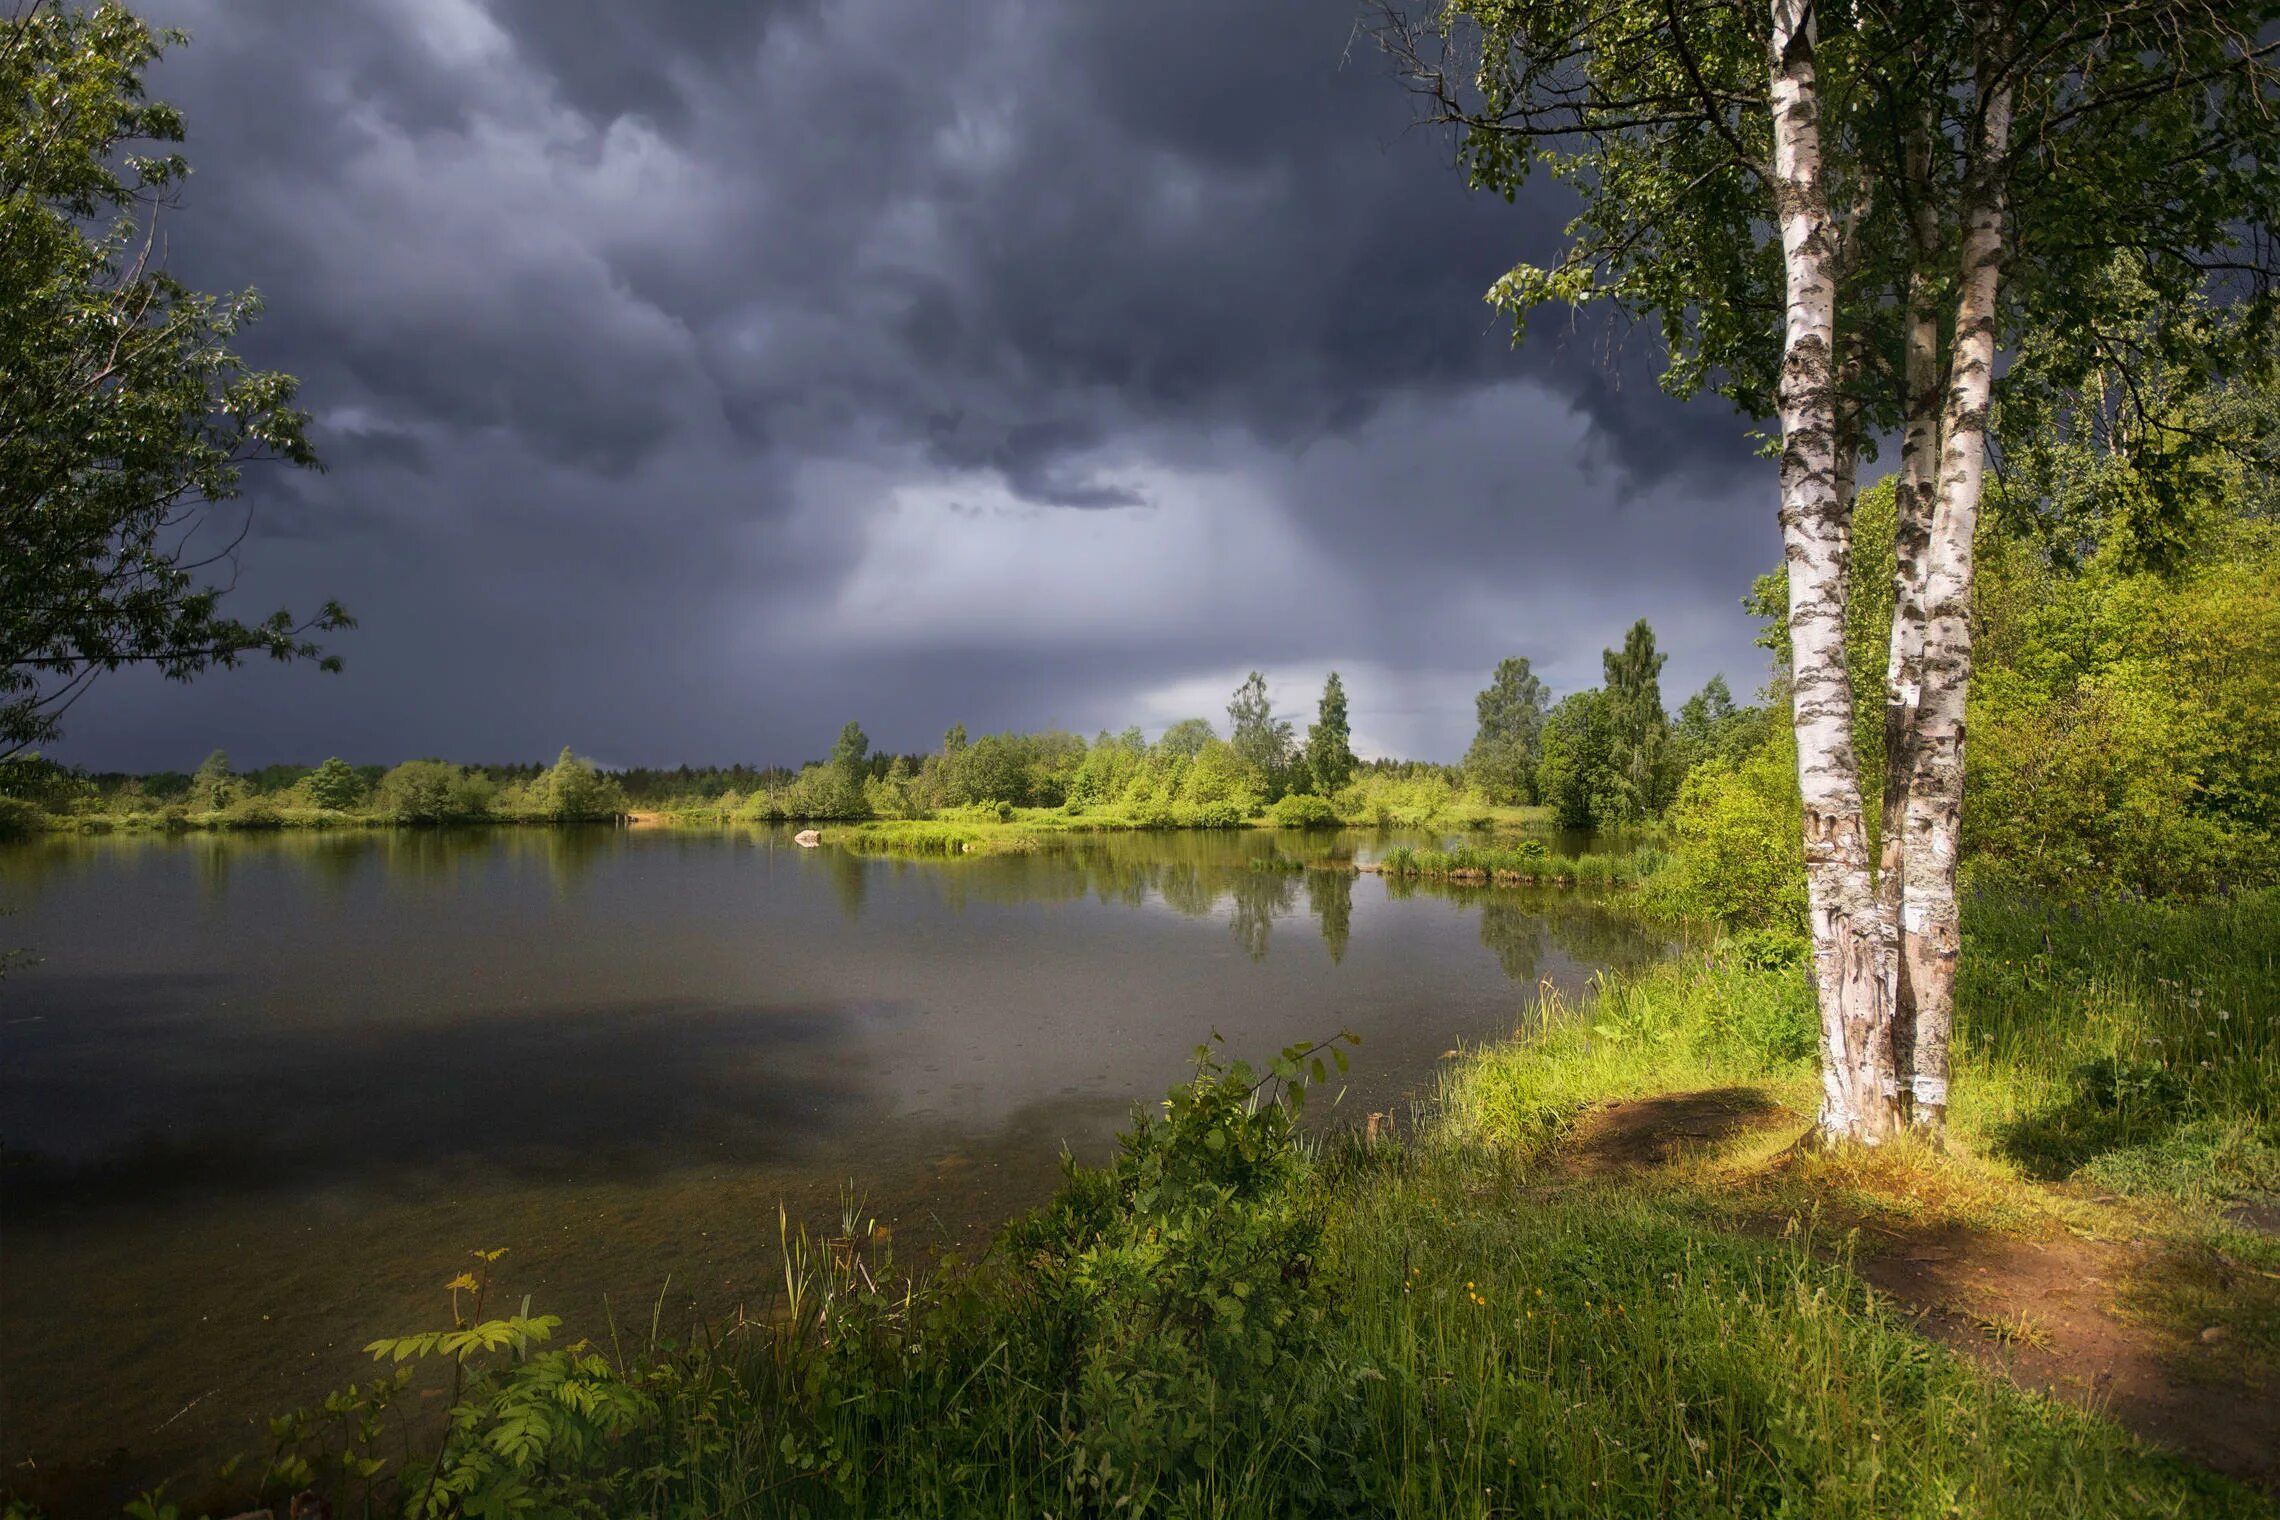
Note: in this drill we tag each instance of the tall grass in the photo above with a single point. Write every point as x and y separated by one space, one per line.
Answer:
915 837
2135 1043
1602 1353
1528 863
1232 1321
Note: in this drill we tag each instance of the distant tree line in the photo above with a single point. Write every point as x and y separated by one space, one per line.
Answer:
1607 756
1600 758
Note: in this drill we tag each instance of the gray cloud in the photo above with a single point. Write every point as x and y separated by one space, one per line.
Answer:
695 376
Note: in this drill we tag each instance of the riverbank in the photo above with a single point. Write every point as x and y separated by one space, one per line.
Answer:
994 829
1596 1275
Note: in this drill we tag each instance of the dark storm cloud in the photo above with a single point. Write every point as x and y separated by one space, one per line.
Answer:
651 345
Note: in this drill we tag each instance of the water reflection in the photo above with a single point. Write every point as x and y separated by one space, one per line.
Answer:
1330 898
614 1050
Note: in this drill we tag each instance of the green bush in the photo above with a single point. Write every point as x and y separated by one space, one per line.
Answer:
1210 815
19 817
432 791
1737 852
335 784
1303 810
251 813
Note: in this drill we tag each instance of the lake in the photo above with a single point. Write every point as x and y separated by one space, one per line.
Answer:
260 1096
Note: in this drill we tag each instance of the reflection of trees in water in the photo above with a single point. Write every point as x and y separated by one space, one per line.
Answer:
1260 898
1514 934
336 856
568 852
211 856
1185 889
1594 932
1518 924
1330 898
850 880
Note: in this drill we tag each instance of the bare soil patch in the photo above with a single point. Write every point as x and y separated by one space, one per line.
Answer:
2041 1312
1642 1134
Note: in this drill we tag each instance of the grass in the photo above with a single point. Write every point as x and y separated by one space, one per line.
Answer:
1525 864
1602 1351
1233 1320
910 837
2129 1045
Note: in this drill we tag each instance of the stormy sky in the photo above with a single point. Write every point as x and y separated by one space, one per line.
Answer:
693 377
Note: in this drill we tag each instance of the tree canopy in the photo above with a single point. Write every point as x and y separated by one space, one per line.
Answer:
127 417
1508 743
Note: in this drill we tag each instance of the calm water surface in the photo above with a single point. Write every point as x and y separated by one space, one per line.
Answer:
260 1096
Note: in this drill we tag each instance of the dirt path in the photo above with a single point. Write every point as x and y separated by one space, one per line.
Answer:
2041 1312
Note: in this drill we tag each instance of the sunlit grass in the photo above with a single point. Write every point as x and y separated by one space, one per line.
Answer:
1495 1329
1525 864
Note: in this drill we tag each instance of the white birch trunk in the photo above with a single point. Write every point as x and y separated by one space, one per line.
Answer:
1850 953
1915 496
1930 936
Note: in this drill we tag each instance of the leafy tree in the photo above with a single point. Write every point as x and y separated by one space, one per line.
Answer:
1107 768
213 785
997 770
1262 739
1711 726
126 416
574 790
891 795
432 791
1505 750
1187 737
335 784
1329 742
1580 776
1840 215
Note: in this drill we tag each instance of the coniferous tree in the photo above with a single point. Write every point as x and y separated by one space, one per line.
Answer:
1329 743
851 755
1634 692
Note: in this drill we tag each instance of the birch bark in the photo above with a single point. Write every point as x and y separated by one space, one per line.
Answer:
1914 499
1930 938
1850 955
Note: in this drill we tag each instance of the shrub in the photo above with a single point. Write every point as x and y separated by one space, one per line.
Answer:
1303 810
1736 831
1213 815
1765 1004
251 813
573 790
1184 1279
19 817
432 791
335 784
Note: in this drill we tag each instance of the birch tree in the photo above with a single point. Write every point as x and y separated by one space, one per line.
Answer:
1837 215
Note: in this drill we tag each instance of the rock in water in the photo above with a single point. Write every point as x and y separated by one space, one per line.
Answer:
807 839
